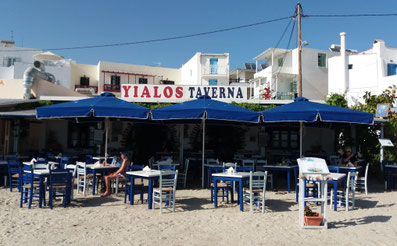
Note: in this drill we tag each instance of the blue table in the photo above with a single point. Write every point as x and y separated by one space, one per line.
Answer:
279 168
150 176
238 177
388 169
336 178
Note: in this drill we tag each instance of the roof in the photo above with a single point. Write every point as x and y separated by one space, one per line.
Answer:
9 102
31 113
268 53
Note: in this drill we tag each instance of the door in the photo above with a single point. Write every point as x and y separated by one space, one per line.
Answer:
214 65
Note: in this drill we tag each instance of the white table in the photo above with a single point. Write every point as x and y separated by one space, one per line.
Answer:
99 169
150 176
236 177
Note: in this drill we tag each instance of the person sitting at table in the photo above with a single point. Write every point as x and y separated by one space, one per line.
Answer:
348 158
120 173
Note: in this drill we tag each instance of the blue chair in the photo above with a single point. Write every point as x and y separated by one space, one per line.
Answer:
245 169
389 179
224 187
13 174
167 167
89 159
138 184
308 185
64 162
30 187
333 169
59 186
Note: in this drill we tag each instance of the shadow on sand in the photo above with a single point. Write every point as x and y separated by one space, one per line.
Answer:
359 221
94 202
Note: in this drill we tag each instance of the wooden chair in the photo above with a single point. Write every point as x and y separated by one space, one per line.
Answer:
256 191
166 190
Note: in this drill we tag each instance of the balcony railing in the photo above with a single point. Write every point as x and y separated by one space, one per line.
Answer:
111 88
95 88
212 70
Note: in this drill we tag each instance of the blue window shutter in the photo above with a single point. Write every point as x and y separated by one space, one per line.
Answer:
213 82
391 69
214 65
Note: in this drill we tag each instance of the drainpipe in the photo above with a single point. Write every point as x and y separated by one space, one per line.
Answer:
345 81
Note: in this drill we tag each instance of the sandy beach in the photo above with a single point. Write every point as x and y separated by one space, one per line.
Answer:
92 220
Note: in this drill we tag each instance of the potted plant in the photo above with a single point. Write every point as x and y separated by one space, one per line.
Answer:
312 218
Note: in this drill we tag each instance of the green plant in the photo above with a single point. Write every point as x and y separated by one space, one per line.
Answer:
337 100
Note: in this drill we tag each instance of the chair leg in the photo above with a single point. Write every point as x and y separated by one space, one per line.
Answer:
366 187
173 202
251 207
21 202
30 197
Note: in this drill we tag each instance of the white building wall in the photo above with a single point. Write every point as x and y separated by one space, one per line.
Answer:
190 71
369 73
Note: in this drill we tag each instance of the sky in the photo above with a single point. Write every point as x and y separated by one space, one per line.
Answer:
47 24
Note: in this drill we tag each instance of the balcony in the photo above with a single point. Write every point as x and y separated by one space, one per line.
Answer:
212 70
285 95
80 88
111 88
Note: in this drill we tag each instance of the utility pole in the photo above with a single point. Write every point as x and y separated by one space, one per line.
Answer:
298 13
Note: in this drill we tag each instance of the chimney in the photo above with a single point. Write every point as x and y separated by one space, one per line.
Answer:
345 81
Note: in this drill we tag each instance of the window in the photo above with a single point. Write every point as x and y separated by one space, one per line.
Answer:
115 80
391 69
213 82
280 62
167 82
350 66
321 59
214 65
142 81
85 81
9 61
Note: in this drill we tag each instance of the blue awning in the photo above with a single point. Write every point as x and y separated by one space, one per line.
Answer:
104 106
302 110
206 108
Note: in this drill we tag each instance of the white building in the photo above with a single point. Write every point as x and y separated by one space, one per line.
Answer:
206 69
15 60
372 70
278 78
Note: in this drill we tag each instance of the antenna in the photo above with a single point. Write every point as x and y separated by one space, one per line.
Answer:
12 35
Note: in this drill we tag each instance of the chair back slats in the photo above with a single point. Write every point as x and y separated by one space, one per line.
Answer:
81 168
258 180
59 176
351 180
248 163
168 178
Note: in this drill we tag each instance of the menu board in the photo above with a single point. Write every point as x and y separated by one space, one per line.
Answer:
312 165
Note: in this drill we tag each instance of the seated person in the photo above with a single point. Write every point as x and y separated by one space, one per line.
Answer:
348 158
120 173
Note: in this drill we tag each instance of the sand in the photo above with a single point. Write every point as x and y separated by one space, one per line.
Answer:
92 220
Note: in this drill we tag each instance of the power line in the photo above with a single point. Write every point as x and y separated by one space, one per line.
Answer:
350 15
169 38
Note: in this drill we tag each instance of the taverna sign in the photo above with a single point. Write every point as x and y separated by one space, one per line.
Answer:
180 93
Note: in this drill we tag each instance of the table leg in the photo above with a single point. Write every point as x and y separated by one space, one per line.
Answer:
93 181
132 189
335 195
240 194
288 180
41 190
150 194
215 192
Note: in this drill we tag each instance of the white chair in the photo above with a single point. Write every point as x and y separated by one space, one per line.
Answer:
123 181
183 176
255 193
166 190
343 196
362 182
258 166
84 179
227 165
